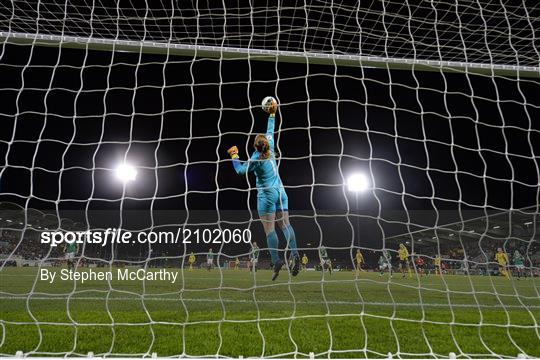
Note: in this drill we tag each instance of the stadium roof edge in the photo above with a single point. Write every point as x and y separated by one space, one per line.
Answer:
444 231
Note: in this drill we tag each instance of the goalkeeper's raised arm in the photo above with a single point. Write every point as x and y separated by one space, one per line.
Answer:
270 130
272 200
264 149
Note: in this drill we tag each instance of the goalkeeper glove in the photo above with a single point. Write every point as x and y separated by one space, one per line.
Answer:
272 110
233 152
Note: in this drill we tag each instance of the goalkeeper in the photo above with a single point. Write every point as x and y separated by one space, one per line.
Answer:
271 196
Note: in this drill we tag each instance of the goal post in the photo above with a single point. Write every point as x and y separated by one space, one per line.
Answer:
179 49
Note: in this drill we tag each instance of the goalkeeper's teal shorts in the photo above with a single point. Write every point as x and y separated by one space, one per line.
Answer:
272 200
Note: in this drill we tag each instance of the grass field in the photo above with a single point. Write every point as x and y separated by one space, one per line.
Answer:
233 313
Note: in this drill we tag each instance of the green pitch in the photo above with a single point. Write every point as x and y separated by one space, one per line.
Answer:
233 313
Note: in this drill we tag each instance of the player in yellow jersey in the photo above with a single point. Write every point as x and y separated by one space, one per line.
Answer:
359 261
191 261
437 263
304 262
502 260
403 255
237 263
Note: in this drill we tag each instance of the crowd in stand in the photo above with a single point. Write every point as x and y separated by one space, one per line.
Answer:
25 246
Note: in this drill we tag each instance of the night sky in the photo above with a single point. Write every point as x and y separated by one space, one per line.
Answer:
431 141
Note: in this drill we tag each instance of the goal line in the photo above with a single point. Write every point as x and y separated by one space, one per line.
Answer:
233 301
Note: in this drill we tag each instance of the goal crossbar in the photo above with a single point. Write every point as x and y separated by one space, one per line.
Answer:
222 52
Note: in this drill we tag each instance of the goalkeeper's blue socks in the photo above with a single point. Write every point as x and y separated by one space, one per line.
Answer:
273 243
290 236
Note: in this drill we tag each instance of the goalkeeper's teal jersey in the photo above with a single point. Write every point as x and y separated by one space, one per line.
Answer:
265 170
323 253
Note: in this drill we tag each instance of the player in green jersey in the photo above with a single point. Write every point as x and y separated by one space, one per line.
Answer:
254 257
519 263
210 260
385 263
325 259
70 250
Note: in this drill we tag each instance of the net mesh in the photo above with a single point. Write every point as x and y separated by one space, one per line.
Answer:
465 31
451 159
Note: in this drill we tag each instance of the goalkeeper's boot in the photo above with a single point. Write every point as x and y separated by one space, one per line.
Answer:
277 267
295 267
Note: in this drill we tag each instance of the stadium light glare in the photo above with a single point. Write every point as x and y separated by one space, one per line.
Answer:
125 173
357 183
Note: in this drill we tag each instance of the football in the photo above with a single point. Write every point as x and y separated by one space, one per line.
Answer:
268 103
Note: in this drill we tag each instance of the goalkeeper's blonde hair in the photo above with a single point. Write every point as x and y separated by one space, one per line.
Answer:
262 145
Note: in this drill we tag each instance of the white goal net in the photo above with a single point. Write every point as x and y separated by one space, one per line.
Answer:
407 141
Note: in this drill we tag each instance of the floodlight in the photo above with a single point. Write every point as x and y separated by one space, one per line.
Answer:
358 183
126 173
